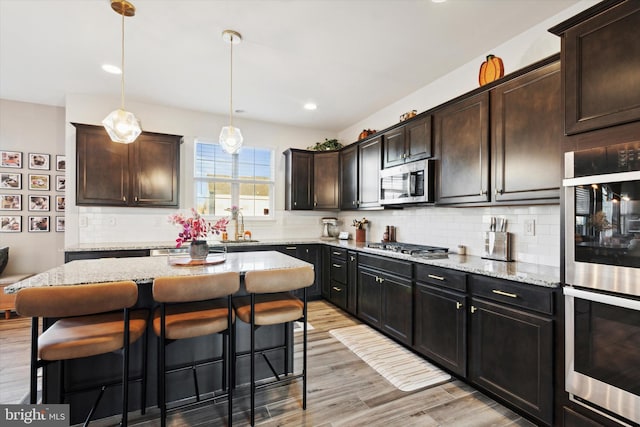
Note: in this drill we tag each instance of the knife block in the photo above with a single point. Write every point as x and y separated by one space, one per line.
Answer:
497 245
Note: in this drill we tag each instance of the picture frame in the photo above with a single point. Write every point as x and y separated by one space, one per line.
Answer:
39 203
61 183
60 224
11 159
60 203
10 223
61 162
38 182
39 161
10 181
39 224
11 202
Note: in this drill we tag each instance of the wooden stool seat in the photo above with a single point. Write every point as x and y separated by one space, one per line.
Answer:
75 337
8 301
270 309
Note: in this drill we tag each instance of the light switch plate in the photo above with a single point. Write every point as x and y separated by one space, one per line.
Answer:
529 227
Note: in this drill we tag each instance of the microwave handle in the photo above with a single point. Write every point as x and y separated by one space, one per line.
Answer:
602 298
597 179
412 184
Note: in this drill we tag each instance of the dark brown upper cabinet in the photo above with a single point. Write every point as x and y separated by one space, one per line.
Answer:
461 134
408 142
369 164
142 174
601 59
526 136
311 180
349 177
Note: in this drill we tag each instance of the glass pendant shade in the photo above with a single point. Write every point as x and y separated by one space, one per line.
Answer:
122 126
231 139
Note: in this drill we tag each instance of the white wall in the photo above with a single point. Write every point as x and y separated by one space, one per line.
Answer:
32 128
87 225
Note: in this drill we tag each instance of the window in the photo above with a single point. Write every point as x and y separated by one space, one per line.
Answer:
222 180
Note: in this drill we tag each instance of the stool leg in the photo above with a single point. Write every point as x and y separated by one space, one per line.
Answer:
33 386
230 360
125 370
162 369
143 386
304 351
253 360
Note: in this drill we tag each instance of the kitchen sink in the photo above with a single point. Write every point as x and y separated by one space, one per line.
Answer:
239 241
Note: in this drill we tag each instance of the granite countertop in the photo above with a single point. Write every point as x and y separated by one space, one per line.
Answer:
534 274
144 269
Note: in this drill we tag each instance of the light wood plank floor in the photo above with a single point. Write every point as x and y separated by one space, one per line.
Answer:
343 390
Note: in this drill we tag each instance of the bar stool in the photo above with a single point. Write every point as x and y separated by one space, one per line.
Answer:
193 306
92 320
270 303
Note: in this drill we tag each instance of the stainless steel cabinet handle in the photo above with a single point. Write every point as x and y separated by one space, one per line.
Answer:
498 192
483 192
291 248
458 305
353 258
433 276
295 203
337 253
336 265
473 309
124 198
337 289
503 293
135 199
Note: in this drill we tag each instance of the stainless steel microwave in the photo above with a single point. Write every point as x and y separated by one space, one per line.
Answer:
410 183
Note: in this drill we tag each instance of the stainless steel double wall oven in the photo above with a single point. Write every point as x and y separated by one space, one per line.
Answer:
602 274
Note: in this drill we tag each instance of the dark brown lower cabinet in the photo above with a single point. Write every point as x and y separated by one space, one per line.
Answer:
441 327
511 355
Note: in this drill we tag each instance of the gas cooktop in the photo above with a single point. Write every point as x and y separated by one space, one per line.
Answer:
423 251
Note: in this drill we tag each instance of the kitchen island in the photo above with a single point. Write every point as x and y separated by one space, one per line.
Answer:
82 376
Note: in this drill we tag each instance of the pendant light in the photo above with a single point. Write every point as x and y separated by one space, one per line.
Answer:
231 137
122 125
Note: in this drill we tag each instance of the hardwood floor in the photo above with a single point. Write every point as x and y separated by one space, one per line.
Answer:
343 390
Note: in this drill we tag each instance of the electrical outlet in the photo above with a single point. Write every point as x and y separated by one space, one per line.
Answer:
111 221
82 221
529 227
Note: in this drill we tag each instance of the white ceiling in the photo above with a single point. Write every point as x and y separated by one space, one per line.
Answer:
351 57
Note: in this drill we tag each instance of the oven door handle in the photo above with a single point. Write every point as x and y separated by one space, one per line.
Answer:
597 179
602 298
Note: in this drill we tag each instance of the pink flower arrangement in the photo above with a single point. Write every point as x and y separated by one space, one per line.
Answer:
196 227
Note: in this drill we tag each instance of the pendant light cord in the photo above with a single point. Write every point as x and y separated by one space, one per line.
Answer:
231 85
122 61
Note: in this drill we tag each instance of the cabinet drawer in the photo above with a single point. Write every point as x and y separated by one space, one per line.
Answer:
526 296
441 277
388 265
338 253
339 294
338 271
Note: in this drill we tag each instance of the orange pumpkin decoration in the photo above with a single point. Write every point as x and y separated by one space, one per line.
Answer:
492 69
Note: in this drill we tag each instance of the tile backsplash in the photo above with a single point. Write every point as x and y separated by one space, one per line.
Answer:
436 226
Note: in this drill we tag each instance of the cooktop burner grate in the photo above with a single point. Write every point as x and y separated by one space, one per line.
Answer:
410 249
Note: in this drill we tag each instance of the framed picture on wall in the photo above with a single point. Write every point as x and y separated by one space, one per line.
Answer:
10 181
61 182
38 182
60 202
10 159
61 162
11 224
38 203
38 224
11 202
59 223
39 161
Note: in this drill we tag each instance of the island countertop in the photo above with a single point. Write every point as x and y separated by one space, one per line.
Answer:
144 269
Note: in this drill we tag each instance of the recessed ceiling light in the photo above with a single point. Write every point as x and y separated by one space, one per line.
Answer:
111 69
438 1
310 106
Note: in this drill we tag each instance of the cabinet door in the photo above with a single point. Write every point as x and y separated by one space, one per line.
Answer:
102 173
310 254
155 171
397 312
462 139
370 162
393 147
418 139
326 272
601 57
349 178
299 180
526 134
511 355
369 296
352 281
325 180
441 327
